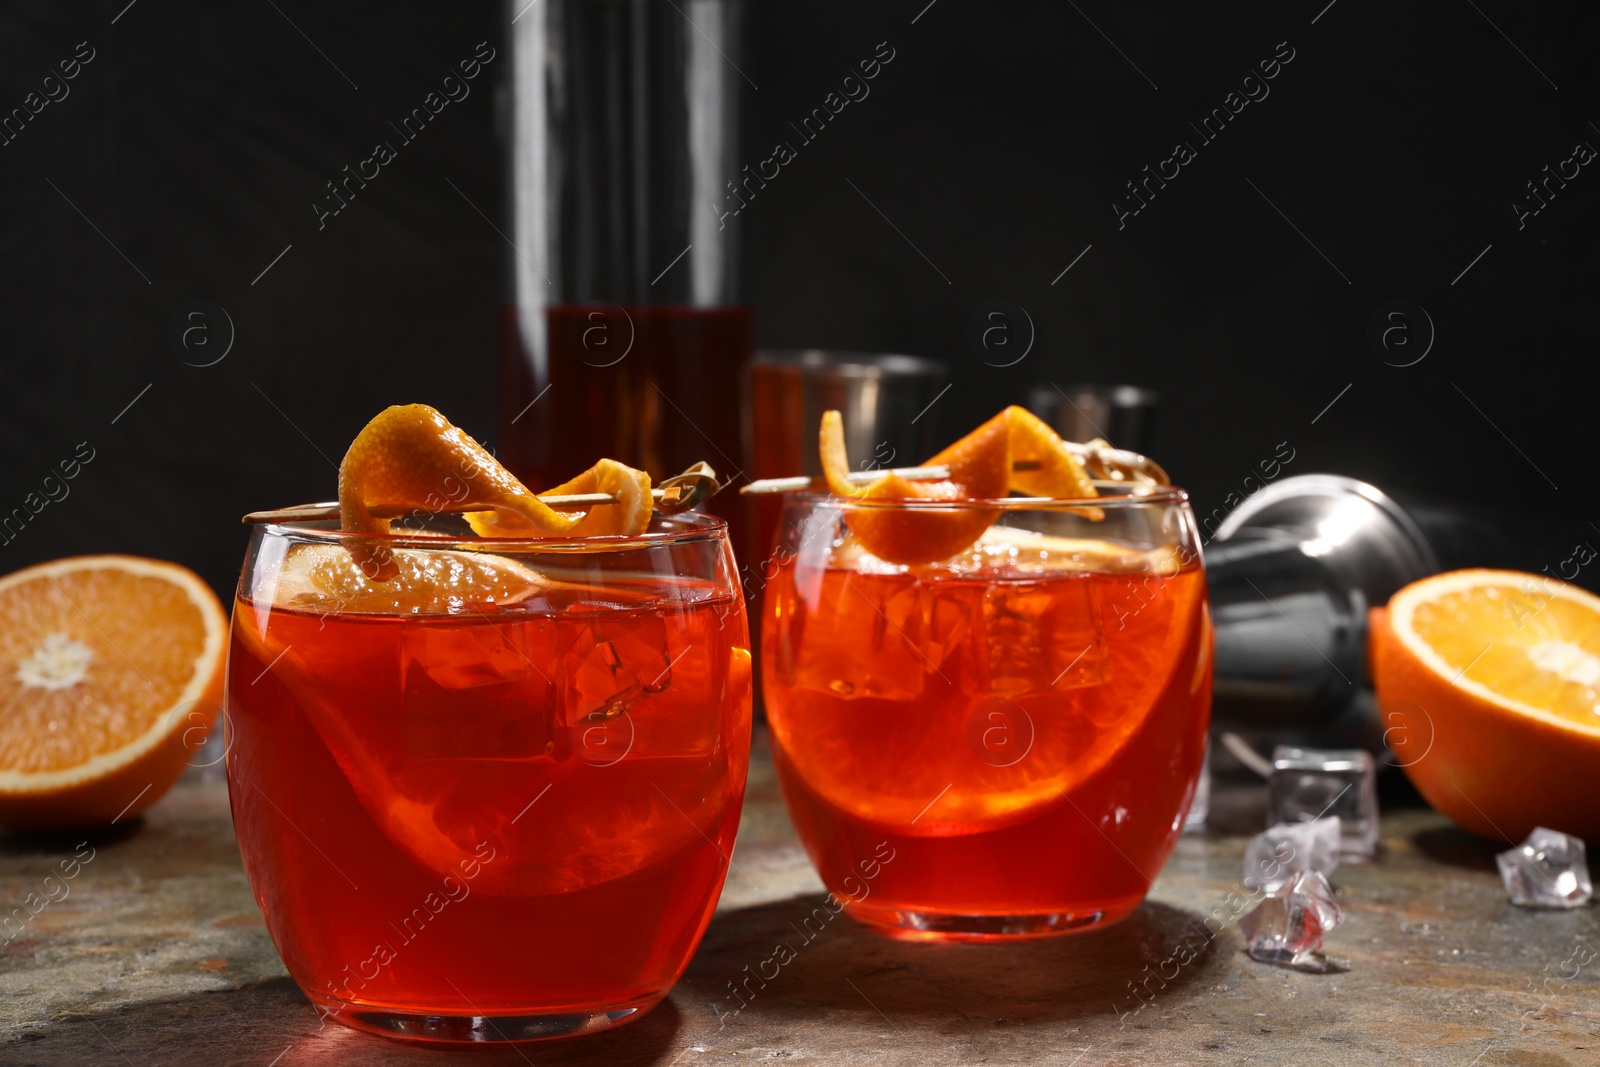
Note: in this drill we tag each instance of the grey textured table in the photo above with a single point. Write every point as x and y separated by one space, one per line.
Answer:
158 956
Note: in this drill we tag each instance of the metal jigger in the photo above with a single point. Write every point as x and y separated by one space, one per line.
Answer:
1125 415
884 399
1292 572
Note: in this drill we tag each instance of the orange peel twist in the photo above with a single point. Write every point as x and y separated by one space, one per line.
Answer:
981 468
411 457
630 515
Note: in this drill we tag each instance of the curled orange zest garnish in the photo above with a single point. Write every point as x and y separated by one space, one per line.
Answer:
630 515
1058 474
411 457
980 466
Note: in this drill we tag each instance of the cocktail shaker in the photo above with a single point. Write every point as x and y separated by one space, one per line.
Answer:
1292 572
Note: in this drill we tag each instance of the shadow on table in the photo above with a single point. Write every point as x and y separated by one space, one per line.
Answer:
833 967
66 842
768 961
273 1023
1237 808
1456 847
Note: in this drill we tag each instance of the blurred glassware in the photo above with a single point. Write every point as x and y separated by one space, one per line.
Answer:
1121 414
628 303
886 401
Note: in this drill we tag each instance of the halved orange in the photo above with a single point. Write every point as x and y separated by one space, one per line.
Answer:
981 468
110 678
1494 677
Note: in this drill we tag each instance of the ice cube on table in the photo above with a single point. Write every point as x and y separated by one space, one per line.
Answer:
1276 856
1287 927
1309 783
1548 870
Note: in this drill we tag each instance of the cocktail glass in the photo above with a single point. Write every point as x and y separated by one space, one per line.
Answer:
494 798
1003 744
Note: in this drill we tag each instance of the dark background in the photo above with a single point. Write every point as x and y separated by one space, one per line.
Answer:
996 141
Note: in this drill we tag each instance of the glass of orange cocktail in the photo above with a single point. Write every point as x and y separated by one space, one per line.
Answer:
1019 725
485 788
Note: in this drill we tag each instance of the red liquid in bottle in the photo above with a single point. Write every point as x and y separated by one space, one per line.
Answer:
655 387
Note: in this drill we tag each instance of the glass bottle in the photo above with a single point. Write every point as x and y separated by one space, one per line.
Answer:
628 327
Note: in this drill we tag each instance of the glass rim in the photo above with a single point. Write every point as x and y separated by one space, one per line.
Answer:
700 527
1132 496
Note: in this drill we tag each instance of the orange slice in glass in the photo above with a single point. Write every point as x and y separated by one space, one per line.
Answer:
411 457
323 578
110 676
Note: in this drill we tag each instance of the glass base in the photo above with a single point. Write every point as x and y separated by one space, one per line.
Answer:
484 1029
945 926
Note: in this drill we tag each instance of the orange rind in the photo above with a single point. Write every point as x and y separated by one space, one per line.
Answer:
629 516
410 456
1048 467
981 469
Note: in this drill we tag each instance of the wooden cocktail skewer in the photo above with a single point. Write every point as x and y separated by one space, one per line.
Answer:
1099 459
678 493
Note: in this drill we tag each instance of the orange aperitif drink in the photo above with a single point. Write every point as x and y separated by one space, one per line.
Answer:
1023 721
493 795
